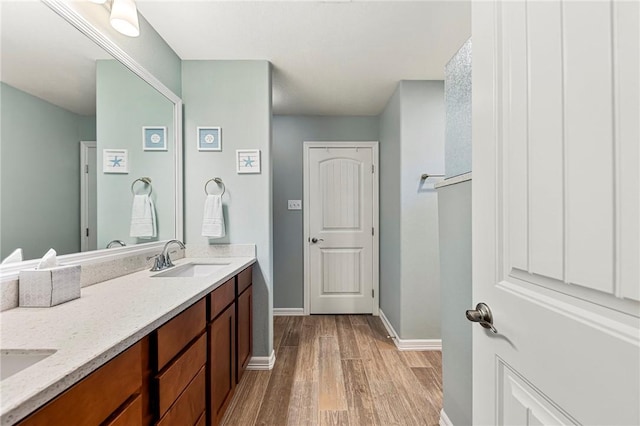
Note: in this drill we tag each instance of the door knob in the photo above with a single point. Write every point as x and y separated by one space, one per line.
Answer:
315 240
482 315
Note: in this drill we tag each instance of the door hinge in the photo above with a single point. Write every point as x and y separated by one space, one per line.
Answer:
86 168
373 231
87 232
373 168
373 294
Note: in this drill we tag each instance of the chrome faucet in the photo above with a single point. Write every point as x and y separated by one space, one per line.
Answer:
113 242
163 260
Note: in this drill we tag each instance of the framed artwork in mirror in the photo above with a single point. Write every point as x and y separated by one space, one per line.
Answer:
209 139
115 161
154 138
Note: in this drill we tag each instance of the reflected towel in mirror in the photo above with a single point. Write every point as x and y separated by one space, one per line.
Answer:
16 256
213 219
143 217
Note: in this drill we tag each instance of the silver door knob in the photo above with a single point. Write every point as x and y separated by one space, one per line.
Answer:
315 240
482 315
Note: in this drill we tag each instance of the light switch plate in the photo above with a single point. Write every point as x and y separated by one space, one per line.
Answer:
295 205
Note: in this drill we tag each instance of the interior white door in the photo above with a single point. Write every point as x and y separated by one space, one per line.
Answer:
88 197
340 237
556 206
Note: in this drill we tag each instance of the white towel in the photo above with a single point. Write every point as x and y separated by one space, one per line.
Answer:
16 256
49 260
143 217
213 219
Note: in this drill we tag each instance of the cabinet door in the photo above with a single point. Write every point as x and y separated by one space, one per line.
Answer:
245 330
96 397
222 362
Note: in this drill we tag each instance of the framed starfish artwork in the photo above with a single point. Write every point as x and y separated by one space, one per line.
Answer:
115 161
248 161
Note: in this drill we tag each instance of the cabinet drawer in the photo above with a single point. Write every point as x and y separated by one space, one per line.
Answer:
131 415
92 400
177 333
220 298
245 279
189 405
176 377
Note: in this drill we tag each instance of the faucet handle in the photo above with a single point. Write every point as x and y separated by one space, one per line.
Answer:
159 263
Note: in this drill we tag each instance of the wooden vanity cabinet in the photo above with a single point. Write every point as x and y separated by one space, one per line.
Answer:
179 353
108 396
183 373
221 333
244 316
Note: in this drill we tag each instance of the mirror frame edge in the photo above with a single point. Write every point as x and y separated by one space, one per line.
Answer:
66 12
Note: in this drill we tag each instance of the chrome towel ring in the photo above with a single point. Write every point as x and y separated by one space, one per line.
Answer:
219 182
146 181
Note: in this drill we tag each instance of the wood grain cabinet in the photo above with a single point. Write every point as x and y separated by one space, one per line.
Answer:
183 373
222 350
180 355
109 395
244 316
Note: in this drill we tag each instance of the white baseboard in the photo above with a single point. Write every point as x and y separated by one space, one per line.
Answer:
262 362
410 344
287 312
444 419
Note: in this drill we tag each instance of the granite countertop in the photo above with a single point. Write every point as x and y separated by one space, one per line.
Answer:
88 332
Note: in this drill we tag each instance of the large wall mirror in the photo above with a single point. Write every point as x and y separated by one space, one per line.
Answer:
81 136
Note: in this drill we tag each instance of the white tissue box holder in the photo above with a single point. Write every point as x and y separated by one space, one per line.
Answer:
40 288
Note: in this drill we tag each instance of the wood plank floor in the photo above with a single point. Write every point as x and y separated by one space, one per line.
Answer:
339 370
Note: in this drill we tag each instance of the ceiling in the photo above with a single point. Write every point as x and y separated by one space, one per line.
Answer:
330 57
45 56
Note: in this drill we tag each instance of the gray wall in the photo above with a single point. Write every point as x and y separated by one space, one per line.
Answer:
289 133
390 211
422 150
454 205
40 174
458 104
412 143
126 103
455 242
235 95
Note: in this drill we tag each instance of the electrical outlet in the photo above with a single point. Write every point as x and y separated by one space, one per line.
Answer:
295 205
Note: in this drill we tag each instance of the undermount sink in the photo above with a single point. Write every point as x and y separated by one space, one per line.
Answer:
192 270
13 361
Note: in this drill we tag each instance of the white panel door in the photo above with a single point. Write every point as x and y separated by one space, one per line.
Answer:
556 201
88 197
340 237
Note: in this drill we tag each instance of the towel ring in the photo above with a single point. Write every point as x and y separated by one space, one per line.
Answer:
216 180
146 181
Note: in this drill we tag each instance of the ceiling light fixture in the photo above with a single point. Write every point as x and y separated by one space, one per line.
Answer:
124 17
98 1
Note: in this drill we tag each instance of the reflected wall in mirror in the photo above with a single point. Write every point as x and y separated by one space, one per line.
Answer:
58 89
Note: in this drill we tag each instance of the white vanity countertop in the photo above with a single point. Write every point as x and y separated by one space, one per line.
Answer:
87 332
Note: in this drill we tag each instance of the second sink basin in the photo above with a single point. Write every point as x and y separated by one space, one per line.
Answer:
192 270
14 361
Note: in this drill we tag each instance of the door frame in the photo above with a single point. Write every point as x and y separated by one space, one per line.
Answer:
376 211
84 187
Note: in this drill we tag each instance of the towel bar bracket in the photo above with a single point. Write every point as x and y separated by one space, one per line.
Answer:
219 182
144 180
